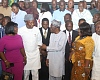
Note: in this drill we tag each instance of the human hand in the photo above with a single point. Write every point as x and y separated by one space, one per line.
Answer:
25 60
47 62
43 52
70 56
7 63
87 70
43 46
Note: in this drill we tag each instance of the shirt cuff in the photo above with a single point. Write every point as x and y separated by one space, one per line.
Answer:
47 49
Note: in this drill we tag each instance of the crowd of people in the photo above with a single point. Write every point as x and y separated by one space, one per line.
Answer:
56 42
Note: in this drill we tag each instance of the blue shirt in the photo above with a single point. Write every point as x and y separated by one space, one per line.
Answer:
18 18
59 15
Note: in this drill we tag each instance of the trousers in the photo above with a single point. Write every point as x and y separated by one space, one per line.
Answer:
54 78
33 72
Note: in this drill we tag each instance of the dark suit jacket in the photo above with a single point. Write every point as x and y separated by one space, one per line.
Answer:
67 48
44 71
45 41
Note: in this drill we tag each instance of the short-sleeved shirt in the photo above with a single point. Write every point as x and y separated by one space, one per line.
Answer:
18 18
5 11
59 15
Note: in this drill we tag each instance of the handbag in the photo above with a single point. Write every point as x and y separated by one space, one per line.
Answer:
7 76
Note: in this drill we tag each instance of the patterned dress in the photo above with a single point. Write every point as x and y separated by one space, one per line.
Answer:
83 49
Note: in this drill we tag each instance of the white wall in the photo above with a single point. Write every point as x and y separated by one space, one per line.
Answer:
58 0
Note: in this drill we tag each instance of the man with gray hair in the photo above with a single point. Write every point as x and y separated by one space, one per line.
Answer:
56 51
32 41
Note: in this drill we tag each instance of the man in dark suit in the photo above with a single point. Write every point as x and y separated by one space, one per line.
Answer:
71 35
45 33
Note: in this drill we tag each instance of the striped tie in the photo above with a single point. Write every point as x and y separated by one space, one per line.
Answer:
45 34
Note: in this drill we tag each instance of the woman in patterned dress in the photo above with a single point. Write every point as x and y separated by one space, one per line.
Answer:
81 54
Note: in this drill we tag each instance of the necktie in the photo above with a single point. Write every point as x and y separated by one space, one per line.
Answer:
69 39
45 34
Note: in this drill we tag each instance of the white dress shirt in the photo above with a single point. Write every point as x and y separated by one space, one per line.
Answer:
67 34
96 58
62 27
47 15
43 30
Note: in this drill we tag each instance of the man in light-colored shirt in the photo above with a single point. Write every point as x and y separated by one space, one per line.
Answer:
81 13
60 13
96 53
56 51
17 15
32 41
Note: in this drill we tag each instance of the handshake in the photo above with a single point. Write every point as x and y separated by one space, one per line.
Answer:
43 47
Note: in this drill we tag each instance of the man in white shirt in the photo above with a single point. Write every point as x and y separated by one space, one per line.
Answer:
17 15
56 51
32 41
96 53
81 13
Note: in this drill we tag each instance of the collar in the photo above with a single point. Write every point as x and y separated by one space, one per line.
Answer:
44 29
52 8
61 10
81 12
68 31
17 13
